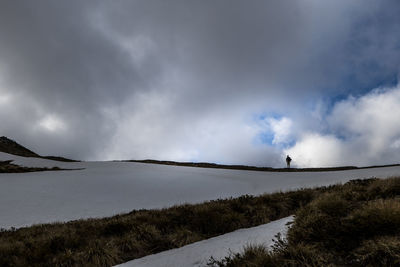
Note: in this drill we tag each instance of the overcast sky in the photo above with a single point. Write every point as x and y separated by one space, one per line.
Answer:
234 82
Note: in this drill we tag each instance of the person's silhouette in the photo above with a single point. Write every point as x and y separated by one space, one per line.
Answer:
288 160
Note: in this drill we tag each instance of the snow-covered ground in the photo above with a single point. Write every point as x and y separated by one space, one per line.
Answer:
107 188
197 254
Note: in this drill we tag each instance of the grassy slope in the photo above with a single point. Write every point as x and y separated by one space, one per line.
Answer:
333 225
108 241
358 225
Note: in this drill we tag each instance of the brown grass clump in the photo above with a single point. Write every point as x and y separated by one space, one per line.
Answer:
357 224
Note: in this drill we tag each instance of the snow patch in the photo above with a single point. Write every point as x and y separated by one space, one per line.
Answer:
197 254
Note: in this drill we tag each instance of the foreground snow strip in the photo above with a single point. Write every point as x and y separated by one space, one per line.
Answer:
197 254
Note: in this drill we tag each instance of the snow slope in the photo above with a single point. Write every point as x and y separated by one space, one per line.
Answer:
197 254
107 188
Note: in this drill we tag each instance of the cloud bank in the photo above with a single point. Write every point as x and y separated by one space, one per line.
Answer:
236 83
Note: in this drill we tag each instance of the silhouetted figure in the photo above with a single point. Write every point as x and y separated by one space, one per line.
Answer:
288 160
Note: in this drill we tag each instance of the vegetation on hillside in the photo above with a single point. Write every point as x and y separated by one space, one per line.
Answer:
356 225
108 241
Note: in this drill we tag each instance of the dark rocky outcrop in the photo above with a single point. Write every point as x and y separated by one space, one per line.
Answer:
11 147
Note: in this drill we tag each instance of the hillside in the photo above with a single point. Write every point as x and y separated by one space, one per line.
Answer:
11 147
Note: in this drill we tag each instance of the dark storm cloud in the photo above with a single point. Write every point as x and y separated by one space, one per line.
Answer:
227 50
272 49
183 79
53 58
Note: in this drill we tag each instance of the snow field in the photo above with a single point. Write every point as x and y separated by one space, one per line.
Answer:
107 188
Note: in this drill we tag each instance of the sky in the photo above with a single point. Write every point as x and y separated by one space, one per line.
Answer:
232 82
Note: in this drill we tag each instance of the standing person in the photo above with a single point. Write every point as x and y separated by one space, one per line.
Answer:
288 160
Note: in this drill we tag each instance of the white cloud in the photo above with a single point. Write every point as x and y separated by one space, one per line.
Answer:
4 99
396 144
4 95
281 129
358 131
363 131
315 150
149 124
52 123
